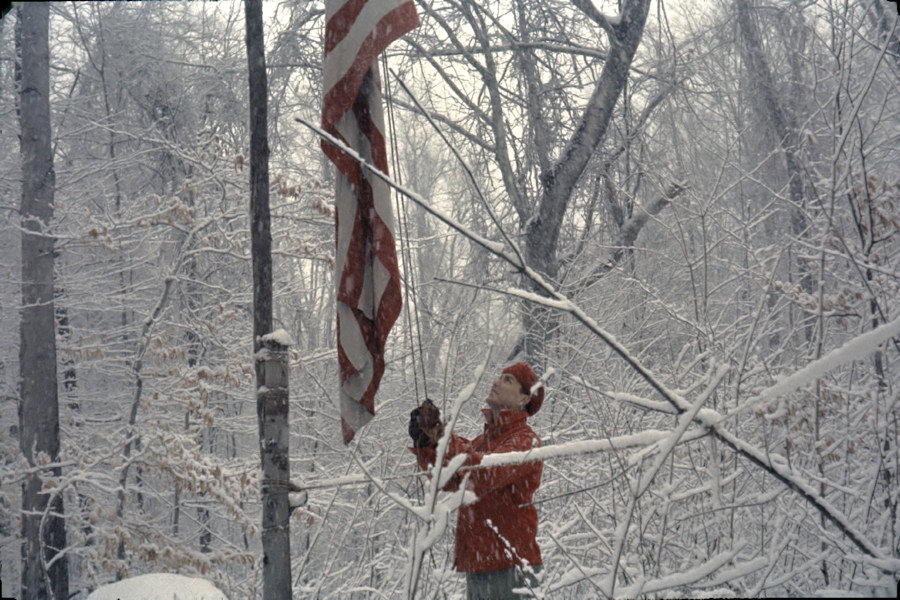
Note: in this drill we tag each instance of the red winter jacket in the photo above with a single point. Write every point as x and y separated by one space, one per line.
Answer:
495 533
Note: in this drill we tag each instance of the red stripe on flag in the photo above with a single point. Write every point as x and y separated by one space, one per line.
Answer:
341 22
339 98
368 284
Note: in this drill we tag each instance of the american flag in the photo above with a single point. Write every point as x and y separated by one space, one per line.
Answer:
368 281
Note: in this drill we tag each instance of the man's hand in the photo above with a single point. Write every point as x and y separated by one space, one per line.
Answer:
425 427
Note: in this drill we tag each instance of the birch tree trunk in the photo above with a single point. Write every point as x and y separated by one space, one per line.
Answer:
272 397
43 525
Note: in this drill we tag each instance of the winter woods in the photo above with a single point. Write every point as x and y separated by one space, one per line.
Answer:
709 193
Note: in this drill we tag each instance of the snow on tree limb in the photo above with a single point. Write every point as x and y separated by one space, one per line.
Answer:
644 439
857 348
438 513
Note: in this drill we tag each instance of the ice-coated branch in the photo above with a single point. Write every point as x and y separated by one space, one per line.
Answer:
396 499
604 21
137 364
859 347
465 167
644 439
425 535
684 420
691 576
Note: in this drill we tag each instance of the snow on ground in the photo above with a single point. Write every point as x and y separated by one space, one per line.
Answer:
158 586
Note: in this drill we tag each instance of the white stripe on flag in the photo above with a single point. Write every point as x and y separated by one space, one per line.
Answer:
342 56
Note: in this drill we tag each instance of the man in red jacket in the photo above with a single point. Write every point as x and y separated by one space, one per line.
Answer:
495 536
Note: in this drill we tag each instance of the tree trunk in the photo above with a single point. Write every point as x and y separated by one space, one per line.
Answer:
785 131
38 403
887 28
542 231
271 359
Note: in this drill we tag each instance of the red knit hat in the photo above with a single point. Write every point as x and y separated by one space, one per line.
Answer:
526 378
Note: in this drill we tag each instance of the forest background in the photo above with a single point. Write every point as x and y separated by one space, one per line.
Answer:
734 226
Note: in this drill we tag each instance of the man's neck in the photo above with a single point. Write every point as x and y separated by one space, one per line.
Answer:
492 415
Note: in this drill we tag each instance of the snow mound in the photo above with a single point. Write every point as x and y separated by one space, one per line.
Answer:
158 586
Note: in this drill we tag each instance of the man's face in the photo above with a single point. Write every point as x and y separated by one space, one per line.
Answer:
506 393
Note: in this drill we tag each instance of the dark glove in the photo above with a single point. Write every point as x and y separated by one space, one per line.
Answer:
425 427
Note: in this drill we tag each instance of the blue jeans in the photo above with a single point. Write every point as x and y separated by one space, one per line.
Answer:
500 585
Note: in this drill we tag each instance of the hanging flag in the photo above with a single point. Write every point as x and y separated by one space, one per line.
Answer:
368 281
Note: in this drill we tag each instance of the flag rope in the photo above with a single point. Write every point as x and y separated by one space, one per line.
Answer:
409 275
